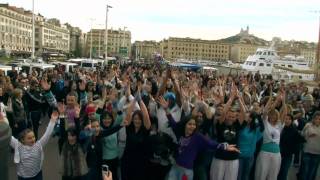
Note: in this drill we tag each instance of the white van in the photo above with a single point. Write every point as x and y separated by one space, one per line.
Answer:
8 69
65 66
90 64
39 67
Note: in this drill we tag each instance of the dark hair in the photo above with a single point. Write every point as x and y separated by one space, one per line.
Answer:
23 134
291 116
256 120
72 131
138 113
182 126
105 115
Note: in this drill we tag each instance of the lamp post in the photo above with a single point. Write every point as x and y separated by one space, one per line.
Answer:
32 55
99 47
106 35
91 39
124 35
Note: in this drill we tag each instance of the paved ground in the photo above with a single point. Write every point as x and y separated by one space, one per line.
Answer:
51 166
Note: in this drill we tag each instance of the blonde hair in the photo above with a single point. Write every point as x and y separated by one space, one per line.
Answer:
16 93
274 112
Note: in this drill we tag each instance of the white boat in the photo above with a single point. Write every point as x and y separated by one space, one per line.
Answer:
267 61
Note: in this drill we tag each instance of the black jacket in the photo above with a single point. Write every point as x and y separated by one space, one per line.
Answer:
290 140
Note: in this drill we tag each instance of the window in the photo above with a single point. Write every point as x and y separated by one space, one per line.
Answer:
254 63
268 65
261 64
290 66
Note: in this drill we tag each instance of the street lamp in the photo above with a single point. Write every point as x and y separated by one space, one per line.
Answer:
32 55
91 38
106 34
99 51
124 35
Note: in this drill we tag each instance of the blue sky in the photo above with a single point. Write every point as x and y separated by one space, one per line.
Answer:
205 19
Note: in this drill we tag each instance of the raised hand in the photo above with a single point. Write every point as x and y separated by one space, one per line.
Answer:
77 111
163 102
54 116
82 85
45 85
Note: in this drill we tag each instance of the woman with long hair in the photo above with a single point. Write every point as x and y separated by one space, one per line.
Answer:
134 157
269 158
190 144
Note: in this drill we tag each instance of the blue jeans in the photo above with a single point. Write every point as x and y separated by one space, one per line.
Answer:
37 177
285 166
245 166
310 164
177 172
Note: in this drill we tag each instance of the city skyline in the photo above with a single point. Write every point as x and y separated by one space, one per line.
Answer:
208 19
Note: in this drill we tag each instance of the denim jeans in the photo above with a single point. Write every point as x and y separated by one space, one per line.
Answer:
37 177
245 166
177 173
310 164
285 166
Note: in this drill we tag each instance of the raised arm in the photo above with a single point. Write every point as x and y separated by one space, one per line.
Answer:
228 105
45 138
243 109
164 84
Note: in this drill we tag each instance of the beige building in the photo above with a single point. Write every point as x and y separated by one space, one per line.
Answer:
15 30
119 42
194 49
76 41
240 52
51 37
145 49
309 54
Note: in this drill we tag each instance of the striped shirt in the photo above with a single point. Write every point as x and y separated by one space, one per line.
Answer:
29 158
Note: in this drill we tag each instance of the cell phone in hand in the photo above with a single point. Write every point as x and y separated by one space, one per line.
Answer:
105 169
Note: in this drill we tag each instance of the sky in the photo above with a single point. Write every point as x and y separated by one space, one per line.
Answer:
204 19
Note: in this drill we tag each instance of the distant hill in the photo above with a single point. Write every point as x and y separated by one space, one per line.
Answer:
245 39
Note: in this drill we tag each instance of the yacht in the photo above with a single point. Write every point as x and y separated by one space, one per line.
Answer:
267 61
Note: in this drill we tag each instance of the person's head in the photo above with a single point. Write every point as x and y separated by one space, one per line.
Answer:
137 119
71 100
273 117
72 136
256 107
107 119
200 118
231 117
17 93
288 119
27 137
34 84
316 118
95 125
190 127
91 111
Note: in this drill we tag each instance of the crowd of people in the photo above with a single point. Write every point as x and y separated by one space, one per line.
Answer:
158 123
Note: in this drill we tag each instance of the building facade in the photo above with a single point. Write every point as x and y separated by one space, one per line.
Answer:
76 41
194 49
309 54
145 49
51 37
119 43
15 30
240 52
